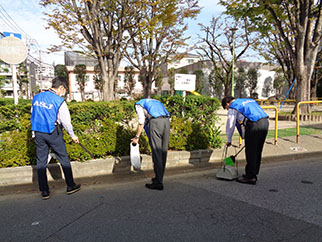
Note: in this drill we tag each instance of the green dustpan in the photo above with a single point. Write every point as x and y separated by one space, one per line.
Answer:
229 161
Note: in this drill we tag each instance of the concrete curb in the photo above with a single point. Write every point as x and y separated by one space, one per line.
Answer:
101 167
211 158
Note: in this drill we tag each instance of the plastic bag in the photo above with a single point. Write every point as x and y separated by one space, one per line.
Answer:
135 156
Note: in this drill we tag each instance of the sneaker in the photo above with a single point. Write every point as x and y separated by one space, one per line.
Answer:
73 189
45 195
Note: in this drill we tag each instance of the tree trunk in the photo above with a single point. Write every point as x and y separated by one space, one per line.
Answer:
227 89
147 86
301 92
314 83
82 94
228 85
313 88
108 80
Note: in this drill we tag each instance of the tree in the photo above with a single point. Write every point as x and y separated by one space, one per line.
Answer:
158 80
61 71
156 34
171 73
251 82
3 80
183 70
317 74
200 80
299 24
129 80
279 82
267 87
216 82
22 79
96 27
98 81
274 51
217 43
80 71
240 83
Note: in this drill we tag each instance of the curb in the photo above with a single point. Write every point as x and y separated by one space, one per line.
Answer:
177 162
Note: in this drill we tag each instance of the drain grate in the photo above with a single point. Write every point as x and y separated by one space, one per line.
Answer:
306 182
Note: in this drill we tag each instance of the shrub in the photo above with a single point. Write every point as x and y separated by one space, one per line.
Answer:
103 128
188 135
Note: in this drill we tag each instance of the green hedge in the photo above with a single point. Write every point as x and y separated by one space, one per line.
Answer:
104 128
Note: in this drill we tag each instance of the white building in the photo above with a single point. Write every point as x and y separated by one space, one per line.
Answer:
265 80
92 93
185 60
190 62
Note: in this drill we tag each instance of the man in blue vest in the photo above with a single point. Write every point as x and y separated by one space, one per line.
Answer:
49 113
247 115
154 118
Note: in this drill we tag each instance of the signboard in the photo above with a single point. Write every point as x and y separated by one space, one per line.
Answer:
7 34
184 82
12 50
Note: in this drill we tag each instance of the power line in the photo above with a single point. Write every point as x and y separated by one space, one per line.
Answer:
17 26
38 61
8 20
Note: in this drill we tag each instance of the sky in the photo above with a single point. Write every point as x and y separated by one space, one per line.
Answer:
26 17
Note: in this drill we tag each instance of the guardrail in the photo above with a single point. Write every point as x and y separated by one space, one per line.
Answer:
298 117
276 124
314 100
276 121
263 101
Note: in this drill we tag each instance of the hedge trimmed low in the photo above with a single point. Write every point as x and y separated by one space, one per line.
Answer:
105 128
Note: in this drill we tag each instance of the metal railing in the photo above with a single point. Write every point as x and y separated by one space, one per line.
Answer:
276 124
298 117
276 121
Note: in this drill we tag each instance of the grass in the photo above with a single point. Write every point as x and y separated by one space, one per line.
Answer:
290 113
304 130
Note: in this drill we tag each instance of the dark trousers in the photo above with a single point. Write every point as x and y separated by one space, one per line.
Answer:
56 141
255 136
159 131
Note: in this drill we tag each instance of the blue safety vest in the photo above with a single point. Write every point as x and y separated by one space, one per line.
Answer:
249 108
45 106
154 107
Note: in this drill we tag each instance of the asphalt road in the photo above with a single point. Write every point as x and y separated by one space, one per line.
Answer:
285 205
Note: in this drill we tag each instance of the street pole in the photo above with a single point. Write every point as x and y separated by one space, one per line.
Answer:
233 62
14 83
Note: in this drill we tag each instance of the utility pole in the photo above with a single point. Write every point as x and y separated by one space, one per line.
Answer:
233 62
40 71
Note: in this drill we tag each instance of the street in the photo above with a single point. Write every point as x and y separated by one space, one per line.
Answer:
285 205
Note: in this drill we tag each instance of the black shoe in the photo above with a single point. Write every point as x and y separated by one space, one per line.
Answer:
244 176
245 180
45 195
154 186
73 189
